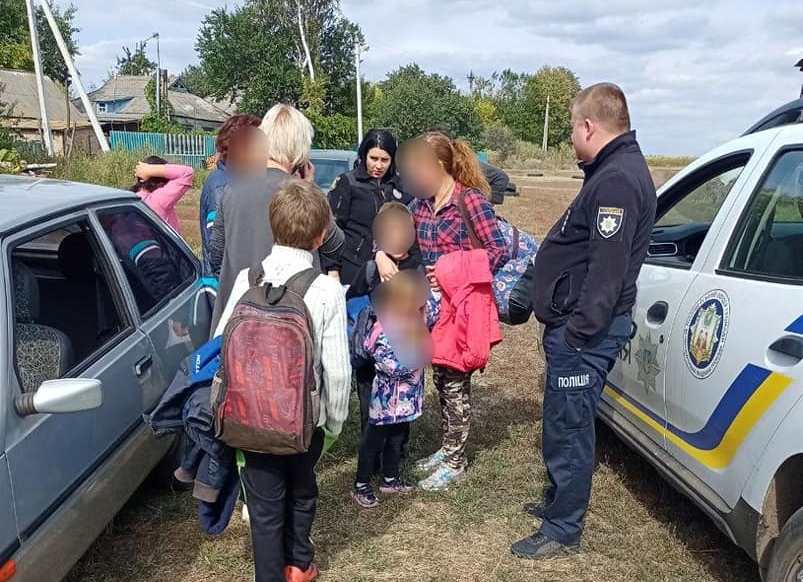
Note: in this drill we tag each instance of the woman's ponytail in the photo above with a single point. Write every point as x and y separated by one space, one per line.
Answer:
466 167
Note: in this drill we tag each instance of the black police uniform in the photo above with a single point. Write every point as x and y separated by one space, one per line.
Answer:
355 200
584 291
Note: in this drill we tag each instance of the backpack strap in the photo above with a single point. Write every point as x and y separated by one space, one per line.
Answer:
301 281
472 234
256 275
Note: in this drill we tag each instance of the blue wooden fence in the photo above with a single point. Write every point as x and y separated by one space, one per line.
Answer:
189 149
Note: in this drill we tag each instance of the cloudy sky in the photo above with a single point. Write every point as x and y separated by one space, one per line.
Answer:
697 72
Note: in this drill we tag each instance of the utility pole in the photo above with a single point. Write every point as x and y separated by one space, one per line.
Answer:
79 85
357 59
799 65
471 78
546 125
47 137
158 77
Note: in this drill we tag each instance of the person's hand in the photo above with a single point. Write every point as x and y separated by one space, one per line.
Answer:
142 171
386 266
306 172
334 275
433 282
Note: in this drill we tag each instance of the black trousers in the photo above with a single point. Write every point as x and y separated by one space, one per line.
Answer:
575 381
387 441
282 495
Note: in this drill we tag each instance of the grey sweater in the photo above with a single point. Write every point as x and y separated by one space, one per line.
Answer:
241 236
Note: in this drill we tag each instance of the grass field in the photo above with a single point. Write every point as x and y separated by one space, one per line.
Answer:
638 528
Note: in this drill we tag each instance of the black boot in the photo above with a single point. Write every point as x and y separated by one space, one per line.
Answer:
540 547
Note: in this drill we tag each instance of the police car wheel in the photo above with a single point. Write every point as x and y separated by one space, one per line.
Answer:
786 564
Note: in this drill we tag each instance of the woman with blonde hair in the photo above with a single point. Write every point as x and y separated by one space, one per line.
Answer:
443 174
240 236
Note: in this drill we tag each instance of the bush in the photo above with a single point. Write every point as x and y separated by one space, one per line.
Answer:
114 169
529 156
333 132
499 139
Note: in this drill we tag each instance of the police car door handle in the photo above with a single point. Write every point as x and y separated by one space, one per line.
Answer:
657 313
789 346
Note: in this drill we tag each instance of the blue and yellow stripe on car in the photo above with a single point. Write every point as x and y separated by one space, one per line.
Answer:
748 397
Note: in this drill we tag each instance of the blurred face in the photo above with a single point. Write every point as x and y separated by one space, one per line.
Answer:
422 172
377 162
396 236
248 153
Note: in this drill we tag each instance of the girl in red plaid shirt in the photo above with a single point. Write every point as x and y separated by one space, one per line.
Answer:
437 169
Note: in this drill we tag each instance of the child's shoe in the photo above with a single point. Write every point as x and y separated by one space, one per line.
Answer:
442 479
364 496
395 485
295 574
431 462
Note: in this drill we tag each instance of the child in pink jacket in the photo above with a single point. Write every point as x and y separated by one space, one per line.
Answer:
161 186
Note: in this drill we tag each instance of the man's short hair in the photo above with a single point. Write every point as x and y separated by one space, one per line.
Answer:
604 103
299 214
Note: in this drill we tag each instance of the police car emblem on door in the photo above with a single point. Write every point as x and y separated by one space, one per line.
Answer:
609 220
706 331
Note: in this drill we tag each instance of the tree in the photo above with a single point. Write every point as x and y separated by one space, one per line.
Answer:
257 53
194 80
135 62
15 39
410 101
561 85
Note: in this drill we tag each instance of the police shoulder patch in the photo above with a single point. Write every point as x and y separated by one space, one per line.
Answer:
609 221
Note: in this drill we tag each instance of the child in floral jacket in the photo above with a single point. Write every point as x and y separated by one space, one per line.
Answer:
400 346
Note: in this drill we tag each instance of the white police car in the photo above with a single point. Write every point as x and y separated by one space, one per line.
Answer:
709 388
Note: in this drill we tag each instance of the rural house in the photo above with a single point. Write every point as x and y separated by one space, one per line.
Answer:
70 128
120 104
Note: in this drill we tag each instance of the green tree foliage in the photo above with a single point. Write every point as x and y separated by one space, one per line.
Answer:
561 85
194 80
411 101
15 40
159 122
254 53
135 62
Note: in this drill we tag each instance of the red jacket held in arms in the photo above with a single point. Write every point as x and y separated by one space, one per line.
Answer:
468 326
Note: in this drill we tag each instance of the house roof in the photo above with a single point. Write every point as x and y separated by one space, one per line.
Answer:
19 90
132 88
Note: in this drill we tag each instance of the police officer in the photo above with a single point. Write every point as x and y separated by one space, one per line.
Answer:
585 288
357 197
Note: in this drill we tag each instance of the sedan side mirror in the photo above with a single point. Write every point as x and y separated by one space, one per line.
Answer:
60 396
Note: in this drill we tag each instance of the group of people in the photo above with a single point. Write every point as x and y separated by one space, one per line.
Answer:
406 246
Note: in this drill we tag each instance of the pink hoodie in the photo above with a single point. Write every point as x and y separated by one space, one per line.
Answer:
163 200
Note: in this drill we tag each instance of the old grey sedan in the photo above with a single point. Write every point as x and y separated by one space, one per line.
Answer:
101 301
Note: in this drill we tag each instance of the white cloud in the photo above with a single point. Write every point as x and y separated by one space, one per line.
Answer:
696 72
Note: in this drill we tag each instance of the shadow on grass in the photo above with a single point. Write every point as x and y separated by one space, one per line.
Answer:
711 548
341 525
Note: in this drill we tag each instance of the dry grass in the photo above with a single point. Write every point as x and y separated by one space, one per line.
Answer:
638 528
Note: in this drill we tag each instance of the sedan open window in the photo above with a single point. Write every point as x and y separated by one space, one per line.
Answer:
66 312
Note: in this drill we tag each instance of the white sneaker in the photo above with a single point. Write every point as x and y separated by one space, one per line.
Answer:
431 462
442 479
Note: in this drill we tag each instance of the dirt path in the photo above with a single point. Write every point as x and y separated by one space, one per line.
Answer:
638 528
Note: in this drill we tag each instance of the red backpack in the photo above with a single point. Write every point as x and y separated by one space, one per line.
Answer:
264 398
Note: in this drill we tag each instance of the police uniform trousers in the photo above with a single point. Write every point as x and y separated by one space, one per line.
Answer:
574 383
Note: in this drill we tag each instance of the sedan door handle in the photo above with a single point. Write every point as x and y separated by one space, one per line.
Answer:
143 366
789 346
657 313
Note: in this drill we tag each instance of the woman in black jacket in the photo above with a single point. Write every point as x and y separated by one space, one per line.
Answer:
357 197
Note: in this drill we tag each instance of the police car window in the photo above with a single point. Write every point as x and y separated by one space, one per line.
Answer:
66 309
156 268
687 210
769 240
